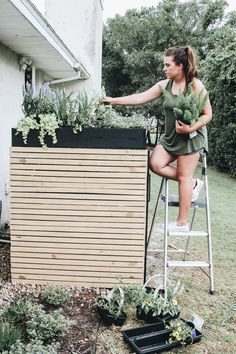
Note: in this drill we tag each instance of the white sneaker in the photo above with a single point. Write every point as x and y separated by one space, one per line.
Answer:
197 189
173 227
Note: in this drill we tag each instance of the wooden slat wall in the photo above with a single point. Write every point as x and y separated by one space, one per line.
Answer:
78 216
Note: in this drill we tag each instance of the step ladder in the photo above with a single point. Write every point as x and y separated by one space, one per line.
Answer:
173 201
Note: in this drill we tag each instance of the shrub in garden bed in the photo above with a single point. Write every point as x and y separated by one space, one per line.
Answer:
25 327
9 334
55 295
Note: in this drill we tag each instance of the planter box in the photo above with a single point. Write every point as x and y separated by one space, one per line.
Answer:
105 138
151 339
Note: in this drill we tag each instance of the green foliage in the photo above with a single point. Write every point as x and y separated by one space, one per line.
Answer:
8 335
47 126
187 106
155 302
25 124
222 130
181 331
36 347
20 310
113 302
47 327
74 110
55 295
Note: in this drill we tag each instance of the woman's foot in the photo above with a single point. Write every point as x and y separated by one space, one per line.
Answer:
173 227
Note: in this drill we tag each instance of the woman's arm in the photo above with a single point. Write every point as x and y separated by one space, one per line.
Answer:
138 98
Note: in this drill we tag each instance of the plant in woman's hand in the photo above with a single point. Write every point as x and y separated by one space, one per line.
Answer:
187 106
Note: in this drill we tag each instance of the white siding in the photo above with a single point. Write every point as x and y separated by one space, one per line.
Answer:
84 38
11 81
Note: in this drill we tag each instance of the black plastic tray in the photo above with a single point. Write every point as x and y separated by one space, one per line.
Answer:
151 339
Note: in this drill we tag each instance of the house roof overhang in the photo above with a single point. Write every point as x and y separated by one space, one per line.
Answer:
26 32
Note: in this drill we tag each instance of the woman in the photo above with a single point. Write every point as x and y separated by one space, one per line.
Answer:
181 142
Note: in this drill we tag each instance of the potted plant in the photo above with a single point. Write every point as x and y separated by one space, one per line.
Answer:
110 307
155 306
57 119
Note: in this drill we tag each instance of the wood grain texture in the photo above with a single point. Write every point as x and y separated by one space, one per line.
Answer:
78 216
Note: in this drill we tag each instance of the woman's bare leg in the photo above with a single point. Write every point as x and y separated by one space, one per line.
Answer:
159 163
186 165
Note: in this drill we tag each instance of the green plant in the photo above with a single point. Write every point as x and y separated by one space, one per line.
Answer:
133 295
36 347
55 295
25 124
48 125
181 331
187 106
113 302
8 335
47 327
155 301
64 107
20 310
49 110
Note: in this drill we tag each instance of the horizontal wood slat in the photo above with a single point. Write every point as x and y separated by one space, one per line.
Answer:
72 151
78 216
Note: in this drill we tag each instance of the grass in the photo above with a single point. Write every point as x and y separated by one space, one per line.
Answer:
217 310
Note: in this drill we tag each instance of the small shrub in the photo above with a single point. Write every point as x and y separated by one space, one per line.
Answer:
36 347
8 335
47 327
55 295
21 310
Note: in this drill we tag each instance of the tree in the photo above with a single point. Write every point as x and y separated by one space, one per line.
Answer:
220 78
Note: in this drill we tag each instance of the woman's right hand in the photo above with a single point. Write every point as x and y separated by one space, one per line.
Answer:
106 100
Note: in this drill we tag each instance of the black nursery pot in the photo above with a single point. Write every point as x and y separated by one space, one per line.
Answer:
109 319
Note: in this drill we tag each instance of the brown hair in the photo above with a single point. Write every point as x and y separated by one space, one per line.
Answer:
186 57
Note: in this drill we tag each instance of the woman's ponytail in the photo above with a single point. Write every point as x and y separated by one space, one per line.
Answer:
191 69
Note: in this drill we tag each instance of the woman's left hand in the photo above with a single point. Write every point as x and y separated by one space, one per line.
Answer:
182 128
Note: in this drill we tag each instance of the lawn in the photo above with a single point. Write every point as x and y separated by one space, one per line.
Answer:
218 310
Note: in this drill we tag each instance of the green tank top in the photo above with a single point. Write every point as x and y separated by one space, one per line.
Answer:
179 144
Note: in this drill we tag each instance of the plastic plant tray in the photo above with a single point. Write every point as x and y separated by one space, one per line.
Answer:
151 339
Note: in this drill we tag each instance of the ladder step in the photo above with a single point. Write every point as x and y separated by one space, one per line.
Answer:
173 201
188 233
187 264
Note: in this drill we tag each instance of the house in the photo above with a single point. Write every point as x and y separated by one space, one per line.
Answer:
59 43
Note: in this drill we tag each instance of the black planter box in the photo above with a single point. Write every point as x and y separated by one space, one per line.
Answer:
151 339
107 138
109 319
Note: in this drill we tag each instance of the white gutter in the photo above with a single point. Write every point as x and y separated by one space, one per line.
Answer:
59 81
38 21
